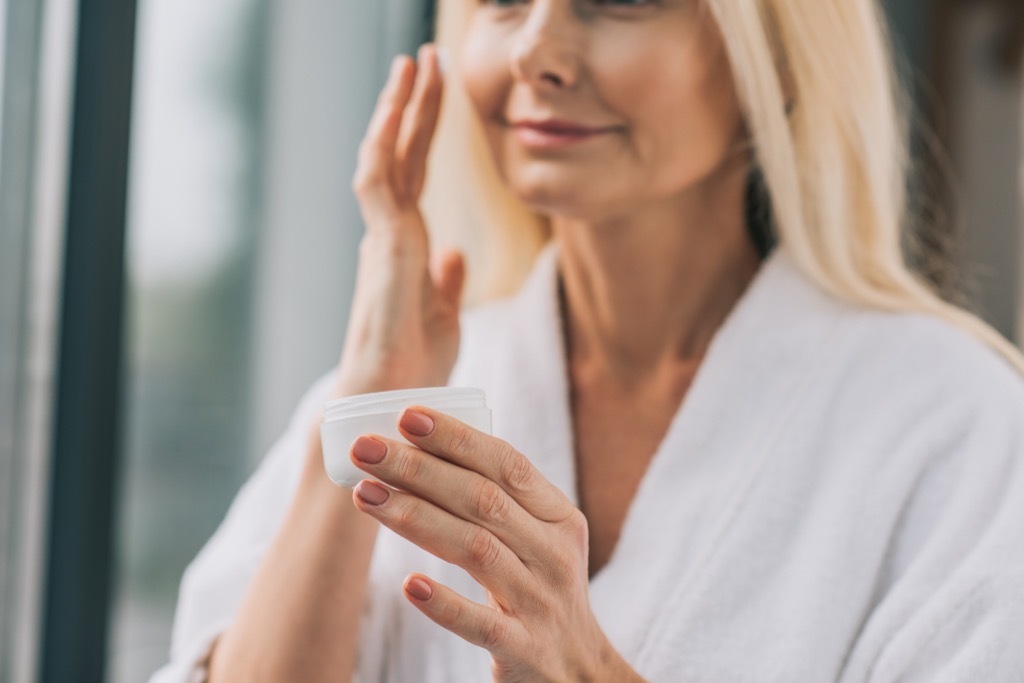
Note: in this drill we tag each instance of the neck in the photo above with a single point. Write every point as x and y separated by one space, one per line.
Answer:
647 291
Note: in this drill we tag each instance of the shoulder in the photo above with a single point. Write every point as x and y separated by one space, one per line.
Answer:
913 363
947 479
929 417
933 419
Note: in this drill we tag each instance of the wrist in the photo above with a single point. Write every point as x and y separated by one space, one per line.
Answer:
608 666
354 383
317 491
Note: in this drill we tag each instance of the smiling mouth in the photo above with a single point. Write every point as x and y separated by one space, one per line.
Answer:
556 134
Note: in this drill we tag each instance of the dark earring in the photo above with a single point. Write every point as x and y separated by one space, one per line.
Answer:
760 225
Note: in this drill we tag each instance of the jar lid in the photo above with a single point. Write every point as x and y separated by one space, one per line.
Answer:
439 398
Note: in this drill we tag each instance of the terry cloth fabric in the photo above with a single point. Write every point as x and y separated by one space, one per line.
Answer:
840 497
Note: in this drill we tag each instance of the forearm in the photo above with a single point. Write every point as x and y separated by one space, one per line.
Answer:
300 617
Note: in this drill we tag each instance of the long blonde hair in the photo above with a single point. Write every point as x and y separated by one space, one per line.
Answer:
835 165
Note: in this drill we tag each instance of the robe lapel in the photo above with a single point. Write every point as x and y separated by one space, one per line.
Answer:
715 448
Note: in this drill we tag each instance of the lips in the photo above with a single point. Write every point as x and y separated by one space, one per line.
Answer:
555 133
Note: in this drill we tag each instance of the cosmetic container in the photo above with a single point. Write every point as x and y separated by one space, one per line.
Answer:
377 413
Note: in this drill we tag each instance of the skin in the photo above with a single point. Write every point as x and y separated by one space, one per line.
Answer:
649 221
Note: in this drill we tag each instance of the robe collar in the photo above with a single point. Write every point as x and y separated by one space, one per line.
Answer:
734 412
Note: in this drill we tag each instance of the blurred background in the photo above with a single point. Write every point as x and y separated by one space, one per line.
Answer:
175 220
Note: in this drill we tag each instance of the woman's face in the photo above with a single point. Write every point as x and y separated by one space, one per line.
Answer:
595 107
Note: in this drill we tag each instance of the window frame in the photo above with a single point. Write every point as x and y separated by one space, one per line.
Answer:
86 448
35 90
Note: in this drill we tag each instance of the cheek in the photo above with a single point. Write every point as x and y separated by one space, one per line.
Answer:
680 107
485 74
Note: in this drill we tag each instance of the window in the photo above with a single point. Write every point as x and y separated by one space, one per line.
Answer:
240 250
192 232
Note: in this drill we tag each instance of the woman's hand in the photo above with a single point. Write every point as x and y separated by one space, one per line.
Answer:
473 500
403 328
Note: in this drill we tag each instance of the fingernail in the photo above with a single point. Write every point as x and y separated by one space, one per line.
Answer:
419 589
443 60
416 423
371 493
369 450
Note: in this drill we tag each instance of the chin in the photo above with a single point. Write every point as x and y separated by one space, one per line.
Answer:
554 194
553 204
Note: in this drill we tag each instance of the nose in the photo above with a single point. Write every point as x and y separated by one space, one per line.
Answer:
546 50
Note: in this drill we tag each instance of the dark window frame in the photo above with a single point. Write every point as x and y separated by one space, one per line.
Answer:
86 435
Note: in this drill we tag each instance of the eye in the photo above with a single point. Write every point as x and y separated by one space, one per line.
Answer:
606 5
618 3
622 9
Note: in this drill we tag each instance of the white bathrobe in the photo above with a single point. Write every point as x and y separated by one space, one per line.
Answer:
840 497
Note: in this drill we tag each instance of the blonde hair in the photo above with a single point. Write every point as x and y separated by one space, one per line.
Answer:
835 166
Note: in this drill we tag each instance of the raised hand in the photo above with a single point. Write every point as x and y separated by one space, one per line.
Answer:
404 325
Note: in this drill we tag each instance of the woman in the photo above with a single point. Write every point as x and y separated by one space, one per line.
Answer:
713 460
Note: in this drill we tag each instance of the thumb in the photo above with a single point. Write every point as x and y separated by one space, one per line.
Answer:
448 270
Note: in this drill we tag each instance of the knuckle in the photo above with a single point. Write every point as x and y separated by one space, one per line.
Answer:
408 465
577 526
367 154
490 503
494 633
482 550
577 521
454 613
459 438
367 179
516 471
403 514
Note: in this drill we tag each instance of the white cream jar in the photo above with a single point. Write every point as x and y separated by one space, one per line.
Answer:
348 418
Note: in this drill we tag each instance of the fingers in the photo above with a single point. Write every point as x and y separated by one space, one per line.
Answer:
478 624
376 171
393 157
496 460
420 123
461 492
447 537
